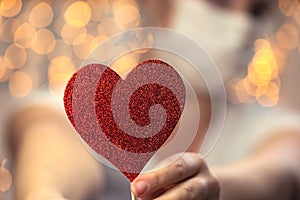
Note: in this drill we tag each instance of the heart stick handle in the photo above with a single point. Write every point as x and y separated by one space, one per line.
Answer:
133 197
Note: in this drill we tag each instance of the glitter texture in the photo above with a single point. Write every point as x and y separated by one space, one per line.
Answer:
125 121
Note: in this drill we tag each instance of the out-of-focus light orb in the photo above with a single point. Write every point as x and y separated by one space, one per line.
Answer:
108 27
17 56
127 16
117 3
41 15
100 8
60 70
124 64
8 28
73 36
270 97
297 14
2 70
6 63
240 92
20 84
5 177
78 14
10 8
287 36
61 49
264 68
5 66
82 50
249 87
43 41
61 65
24 34
287 7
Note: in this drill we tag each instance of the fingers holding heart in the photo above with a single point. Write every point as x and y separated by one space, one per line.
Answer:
186 178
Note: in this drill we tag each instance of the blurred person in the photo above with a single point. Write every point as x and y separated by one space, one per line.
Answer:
51 163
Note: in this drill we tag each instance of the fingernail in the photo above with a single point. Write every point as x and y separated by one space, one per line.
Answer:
140 187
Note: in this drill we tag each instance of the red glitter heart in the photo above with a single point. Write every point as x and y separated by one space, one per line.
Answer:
119 118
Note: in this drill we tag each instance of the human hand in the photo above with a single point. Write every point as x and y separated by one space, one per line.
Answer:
187 178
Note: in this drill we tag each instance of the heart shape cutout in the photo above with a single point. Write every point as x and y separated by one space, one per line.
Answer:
125 121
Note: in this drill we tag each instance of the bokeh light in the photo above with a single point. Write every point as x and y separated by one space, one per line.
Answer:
287 36
60 70
8 28
5 66
99 8
108 27
43 41
20 84
10 8
287 7
6 63
83 49
23 35
127 16
5 177
78 14
125 63
262 82
72 35
41 15
17 56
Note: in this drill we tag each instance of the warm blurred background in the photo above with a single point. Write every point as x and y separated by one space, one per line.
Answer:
42 42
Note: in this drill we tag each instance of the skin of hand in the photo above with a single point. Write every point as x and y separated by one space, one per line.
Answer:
187 178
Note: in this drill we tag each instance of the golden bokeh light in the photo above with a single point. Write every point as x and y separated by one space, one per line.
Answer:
287 36
8 28
287 7
73 36
43 41
5 66
23 35
20 84
6 63
297 14
61 65
107 51
249 87
2 70
82 50
270 97
108 27
10 8
17 56
117 3
61 49
60 70
41 15
240 92
78 14
125 63
127 16
5 177
262 82
100 9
